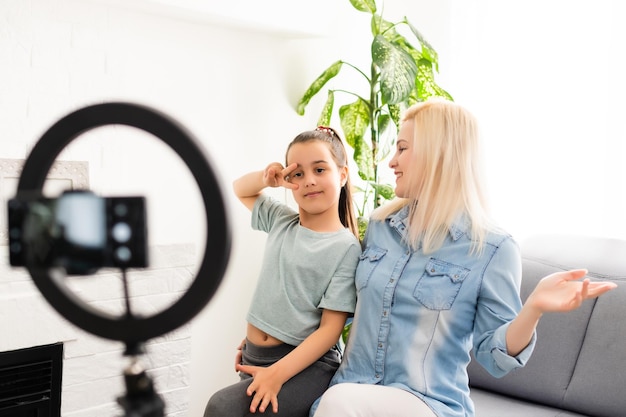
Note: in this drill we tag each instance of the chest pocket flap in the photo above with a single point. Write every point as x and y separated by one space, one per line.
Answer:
456 273
439 285
368 262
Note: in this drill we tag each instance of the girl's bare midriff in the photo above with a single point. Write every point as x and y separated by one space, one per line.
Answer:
260 338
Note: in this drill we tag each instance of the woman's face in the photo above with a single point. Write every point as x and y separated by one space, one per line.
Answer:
402 163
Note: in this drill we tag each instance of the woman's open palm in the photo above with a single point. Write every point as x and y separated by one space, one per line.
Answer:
564 291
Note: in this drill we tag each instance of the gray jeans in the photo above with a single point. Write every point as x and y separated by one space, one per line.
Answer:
295 397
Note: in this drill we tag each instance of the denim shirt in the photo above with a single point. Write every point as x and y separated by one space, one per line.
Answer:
419 315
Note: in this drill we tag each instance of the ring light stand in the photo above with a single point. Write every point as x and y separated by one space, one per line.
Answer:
140 400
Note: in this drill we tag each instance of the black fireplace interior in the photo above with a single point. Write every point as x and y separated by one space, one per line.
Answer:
30 381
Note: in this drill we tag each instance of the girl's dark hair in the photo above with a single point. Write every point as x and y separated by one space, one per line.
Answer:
338 150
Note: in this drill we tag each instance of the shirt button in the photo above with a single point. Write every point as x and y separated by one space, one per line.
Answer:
380 345
377 375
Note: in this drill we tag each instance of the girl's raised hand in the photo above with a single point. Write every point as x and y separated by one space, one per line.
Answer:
563 291
276 175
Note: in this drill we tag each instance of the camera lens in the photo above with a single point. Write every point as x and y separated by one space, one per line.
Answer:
120 209
121 232
123 254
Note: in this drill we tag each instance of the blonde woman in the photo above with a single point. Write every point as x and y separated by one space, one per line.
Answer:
437 280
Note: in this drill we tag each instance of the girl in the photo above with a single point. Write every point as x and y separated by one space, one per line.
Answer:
437 280
306 287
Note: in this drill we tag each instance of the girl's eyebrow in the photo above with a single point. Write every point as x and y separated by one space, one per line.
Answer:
319 161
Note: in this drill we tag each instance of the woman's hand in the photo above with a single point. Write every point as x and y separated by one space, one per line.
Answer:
558 292
563 291
264 388
275 175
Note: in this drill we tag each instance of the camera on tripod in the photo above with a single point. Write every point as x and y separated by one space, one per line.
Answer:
78 231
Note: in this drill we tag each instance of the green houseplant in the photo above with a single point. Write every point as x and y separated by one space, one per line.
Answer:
401 73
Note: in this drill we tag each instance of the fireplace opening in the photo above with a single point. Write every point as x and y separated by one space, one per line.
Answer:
30 381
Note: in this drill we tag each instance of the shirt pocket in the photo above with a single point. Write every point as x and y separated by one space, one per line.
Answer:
368 261
439 285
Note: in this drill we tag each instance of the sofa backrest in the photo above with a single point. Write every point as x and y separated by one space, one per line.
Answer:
579 362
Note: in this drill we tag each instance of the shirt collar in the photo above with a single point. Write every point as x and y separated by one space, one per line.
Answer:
400 222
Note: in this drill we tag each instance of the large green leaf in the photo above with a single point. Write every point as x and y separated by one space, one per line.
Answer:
397 70
410 49
428 51
425 82
364 161
384 190
355 118
384 138
385 28
378 25
395 111
368 6
317 85
383 123
327 111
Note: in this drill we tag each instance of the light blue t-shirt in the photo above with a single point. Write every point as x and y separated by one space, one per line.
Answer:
303 272
419 315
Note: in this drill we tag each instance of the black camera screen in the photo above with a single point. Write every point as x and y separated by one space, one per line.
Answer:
78 231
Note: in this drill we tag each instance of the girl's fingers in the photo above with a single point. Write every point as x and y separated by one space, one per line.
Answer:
288 170
285 173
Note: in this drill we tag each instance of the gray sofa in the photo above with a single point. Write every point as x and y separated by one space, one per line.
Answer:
578 367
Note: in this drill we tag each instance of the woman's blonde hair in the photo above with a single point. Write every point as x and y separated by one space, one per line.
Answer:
447 181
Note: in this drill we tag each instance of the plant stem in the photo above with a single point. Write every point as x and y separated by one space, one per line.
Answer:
374 113
358 70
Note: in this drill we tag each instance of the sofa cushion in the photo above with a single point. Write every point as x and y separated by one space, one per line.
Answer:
489 404
599 380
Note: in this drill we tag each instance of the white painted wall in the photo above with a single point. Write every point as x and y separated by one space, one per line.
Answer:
544 78
229 86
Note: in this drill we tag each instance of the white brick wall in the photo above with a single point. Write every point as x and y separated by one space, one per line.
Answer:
93 366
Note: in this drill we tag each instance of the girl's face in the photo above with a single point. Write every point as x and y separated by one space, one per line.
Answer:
402 163
318 177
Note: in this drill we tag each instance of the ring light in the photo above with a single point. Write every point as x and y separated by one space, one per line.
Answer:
132 329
